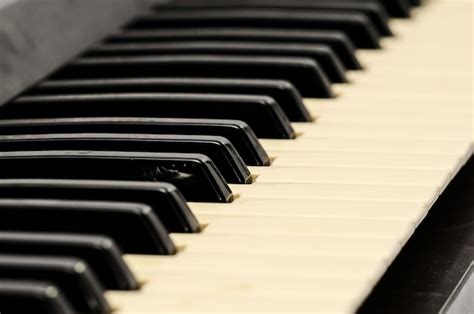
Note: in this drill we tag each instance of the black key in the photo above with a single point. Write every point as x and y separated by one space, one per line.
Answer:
194 175
99 252
237 132
217 148
164 199
21 296
72 277
355 25
262 114
396 8
133 226
321 54
338 41
303 73
374 11
282 92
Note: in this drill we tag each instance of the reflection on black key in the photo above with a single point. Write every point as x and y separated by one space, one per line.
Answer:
355 25
284 93
237 132
338 41
165 200
262 114
374 11
26 296
71 276
321 54
303 73
99 252
397 8
195 175
133 226
217 148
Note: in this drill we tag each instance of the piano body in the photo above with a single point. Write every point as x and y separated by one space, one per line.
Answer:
240 156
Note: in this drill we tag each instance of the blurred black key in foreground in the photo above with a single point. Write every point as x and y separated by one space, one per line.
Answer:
71 276
26 296
99 252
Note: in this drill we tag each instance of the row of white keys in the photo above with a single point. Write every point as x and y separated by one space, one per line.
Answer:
318 228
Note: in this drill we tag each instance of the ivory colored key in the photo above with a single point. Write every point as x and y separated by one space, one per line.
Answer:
412 118
317 247
261 270
365 159
388 192
259 286
304 225
394 123
185 304
457 146
359 131
315 174
315 208
360 103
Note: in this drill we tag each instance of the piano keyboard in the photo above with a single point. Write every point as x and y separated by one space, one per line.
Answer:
240 157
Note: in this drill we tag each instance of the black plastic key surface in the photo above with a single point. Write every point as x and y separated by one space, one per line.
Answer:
321 54
26 296
356 26
303 73
283 92
261 113
194 175
99 252
338 41
396 8
133 226
71 276
217 148
165 200
374 11
237 132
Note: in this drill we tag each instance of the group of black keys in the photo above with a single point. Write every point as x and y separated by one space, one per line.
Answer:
100 158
